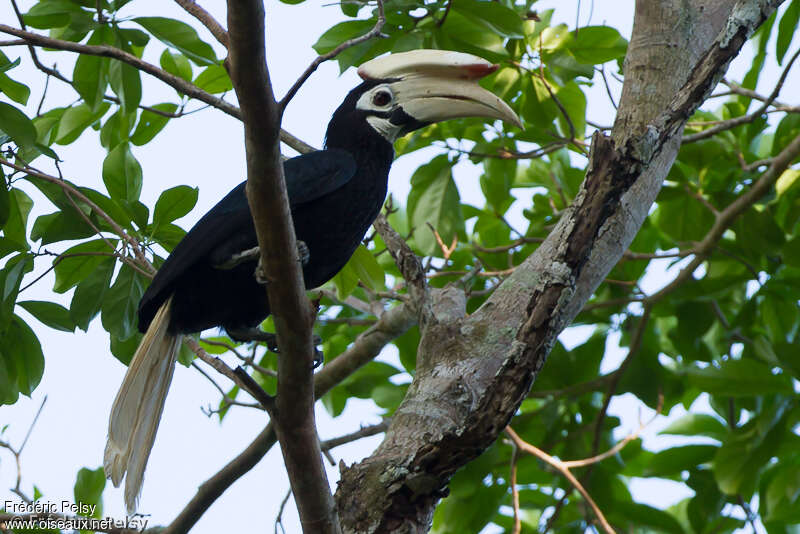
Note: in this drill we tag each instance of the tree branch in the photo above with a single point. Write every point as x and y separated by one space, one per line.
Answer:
291 310
474 371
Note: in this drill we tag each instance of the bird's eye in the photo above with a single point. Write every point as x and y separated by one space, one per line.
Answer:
381 98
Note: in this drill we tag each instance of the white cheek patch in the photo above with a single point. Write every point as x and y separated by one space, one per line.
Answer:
388 130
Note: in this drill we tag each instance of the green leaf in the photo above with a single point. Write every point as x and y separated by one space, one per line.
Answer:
457 516
739 462
670 462
60 226
16 91
5 202
52 14
642 515
17 125
150 124
10 280
465 33
494 15
786 29
362 382
177 64
15 228
697 424
762 36
214 79
89 487
181 36
784 489
367 268
116 129
346 280
89 77
78 262
434 200
90 293
739 378
786 180
127 85
574 102
21 356
51 314
76 119
340 33
597 44
124 349
174 203
121 302
122 174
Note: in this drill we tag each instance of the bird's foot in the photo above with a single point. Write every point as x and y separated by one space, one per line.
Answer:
271 341
239 258
303 253
254 253
260 274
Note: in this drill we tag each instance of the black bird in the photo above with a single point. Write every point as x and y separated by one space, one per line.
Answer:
335 194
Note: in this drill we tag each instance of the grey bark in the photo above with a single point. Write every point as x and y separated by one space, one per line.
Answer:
474 371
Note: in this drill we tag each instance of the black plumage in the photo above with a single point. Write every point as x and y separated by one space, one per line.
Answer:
334 194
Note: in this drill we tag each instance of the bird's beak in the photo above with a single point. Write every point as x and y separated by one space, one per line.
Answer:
436 85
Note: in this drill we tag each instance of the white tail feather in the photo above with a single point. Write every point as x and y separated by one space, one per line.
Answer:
137 409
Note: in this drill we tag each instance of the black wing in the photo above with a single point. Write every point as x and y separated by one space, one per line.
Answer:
229 224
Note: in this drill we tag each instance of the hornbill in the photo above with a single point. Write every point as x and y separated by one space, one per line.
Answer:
335 194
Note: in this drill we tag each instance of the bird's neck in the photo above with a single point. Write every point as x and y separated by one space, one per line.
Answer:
373 155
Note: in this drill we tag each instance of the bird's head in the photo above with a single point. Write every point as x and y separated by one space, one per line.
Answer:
406 91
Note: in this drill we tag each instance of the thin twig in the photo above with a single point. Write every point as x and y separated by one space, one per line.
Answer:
237 376
736 121
187 88
514 488
559 466
206 20
83 198
363 432
279 518
374 32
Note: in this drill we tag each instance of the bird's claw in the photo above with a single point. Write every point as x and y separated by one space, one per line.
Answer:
303 254
260 274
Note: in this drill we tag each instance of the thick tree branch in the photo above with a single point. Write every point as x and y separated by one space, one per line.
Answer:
291 310
473 372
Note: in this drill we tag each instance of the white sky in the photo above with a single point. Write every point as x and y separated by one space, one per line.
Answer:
205 149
